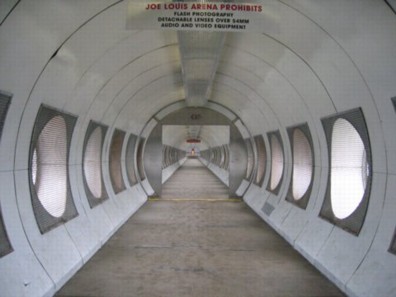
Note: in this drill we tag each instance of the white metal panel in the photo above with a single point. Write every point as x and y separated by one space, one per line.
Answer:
268 82
6 7
316 231
343 247
263 56
390 142
56 244
127 56
297 219
376 273
99 221
255 197
111 206
134 77
148 100
32 33
93 226
81 228
16 278
247 104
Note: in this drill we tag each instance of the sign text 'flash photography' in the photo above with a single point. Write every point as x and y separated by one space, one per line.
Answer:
208 16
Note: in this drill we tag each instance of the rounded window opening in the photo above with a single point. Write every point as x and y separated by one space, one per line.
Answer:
92 163
349 169
277 162
49 167
302 164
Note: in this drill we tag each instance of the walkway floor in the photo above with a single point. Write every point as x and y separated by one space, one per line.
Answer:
194 181
197 248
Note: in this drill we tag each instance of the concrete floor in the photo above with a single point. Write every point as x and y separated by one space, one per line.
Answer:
196 248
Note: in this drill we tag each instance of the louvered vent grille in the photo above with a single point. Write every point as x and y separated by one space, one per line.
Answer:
129 159
92 164
261 160
302 167
250 159
5 245
48 168
392 248
350 176
115 161
5 101
140 159
277 162
226 157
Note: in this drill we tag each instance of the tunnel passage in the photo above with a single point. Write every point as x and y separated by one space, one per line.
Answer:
312 95
215 138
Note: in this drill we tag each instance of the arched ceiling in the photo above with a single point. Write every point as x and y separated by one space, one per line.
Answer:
87 63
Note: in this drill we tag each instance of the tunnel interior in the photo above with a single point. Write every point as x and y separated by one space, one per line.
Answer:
212 134
96 114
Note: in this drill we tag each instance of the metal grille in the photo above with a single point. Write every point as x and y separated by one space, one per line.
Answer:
48 168
277 162
115 161
5 100
226 157
5 246
140 159
392 248
130 159
303 165
261 160
164 156
216 156
171 155
250 159
348 144
222 157
92 164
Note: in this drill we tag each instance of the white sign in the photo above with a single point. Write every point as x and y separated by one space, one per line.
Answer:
193 16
